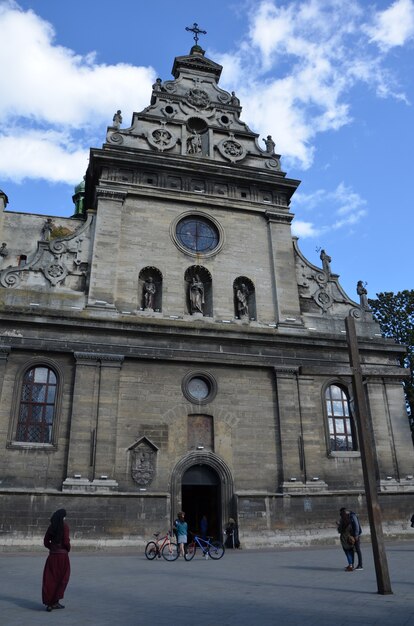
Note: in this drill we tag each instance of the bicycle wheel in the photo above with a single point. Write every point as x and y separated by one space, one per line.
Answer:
170 552
191 550
216 550
151 550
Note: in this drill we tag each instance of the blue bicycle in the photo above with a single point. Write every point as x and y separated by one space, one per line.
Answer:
214 549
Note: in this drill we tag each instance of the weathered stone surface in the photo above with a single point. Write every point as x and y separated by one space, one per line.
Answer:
124 454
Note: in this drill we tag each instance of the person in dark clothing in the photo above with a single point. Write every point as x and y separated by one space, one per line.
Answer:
356 532
232 534
347 539
56 572
412 521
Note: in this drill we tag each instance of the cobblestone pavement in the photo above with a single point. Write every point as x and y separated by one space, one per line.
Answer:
246 587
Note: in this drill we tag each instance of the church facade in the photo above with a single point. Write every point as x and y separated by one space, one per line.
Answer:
168 347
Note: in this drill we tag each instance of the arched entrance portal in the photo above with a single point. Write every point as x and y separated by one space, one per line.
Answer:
201 479
201 495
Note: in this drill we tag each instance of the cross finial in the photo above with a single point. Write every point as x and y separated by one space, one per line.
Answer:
196 30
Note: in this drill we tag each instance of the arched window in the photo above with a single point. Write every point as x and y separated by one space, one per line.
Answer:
37 405
341 435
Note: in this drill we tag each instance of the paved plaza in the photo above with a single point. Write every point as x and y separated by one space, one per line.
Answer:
246 587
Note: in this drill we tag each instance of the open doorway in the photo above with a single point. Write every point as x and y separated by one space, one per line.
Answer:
201 495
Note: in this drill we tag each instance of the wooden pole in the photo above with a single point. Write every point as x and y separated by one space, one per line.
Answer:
368 461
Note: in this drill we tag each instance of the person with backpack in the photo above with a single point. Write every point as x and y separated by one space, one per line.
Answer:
356 532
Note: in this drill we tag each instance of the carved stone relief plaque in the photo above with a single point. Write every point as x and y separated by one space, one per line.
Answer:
143 464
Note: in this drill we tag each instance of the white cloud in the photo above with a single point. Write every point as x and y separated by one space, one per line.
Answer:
394 26
336 209
49 86
304 229
36 154
300 62
293 72
64 88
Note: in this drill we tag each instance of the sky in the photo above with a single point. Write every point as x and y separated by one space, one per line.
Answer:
331 81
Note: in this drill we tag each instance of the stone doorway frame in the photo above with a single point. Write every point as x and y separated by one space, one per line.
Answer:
224 474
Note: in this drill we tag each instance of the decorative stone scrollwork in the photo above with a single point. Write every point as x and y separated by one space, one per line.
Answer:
323 299
273 164
116 138
355 313
224 97
55 272
10 279
231 149
170 86
161 139
321 277
58 247
198 98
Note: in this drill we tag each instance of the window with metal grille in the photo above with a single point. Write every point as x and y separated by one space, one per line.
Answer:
37 406
339 420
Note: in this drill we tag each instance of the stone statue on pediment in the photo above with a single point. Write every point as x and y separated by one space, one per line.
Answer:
46 231
234 99
3 250
270 145
363 294
157 86
117 119
326 262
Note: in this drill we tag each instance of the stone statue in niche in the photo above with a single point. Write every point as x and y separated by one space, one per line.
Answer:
363 294
194 144
270 145
47 230
149 293
242 295
196 295
326 262
3 250
117 119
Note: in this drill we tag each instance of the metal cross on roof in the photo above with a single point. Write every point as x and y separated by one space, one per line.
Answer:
196 30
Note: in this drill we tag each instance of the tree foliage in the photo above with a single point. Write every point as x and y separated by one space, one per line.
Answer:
395 314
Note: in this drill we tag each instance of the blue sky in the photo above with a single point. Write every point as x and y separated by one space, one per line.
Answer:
331 81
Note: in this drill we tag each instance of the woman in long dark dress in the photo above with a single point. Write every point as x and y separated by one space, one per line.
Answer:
57 567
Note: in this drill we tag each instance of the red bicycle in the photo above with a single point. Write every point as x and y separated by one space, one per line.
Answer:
168 549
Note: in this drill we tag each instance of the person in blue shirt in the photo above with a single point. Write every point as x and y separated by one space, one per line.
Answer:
181 528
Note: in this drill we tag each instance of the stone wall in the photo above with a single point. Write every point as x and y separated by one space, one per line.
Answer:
102 521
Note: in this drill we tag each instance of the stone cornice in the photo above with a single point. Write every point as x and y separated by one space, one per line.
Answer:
279 218
98 356
110 194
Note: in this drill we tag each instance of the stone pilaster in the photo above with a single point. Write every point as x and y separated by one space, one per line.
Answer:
392 435
314 445
102 290
84 418
285 288
105 452
290 430
4 411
